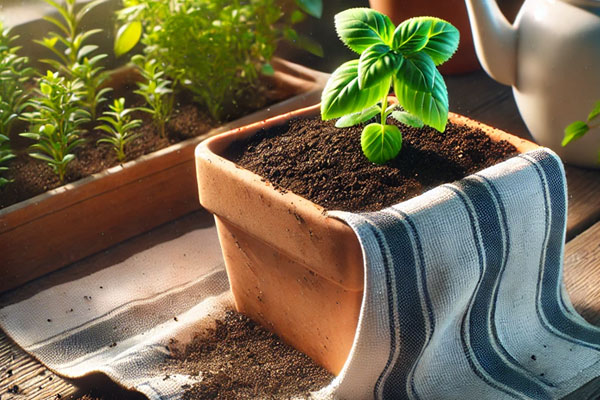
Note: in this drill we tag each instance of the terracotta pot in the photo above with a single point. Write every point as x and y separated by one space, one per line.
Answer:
49 231
453 11
291 267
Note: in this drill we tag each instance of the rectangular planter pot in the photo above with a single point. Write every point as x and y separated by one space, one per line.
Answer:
291 267
76 220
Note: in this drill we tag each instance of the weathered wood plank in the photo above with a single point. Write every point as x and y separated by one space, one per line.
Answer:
33 381
584 200
582 273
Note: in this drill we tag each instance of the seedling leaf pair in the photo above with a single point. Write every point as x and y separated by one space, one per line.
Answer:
404 57
578 129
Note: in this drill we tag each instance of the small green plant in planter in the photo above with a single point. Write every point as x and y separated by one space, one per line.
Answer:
74 56
14 73
215 49
118 125
404 57
55 121
578 129
156 91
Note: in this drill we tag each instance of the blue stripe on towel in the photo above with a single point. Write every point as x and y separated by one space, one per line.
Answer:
551 309
390 306
422 279
406 293
491 245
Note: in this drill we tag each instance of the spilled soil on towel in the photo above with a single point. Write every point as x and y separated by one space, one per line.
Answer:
324 164
238 359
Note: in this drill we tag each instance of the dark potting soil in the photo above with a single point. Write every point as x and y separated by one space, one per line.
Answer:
324 164
238 359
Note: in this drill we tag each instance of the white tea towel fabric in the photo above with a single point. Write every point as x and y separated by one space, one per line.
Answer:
464 296
119 318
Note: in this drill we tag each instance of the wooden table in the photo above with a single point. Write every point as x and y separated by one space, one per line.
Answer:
478 97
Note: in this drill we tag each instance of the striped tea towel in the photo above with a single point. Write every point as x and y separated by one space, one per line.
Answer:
464 296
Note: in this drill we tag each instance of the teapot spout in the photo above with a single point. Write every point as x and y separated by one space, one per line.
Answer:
495 40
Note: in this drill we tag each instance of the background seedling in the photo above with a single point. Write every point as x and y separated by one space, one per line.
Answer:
74 55
118 126
578 129
55 121
14 74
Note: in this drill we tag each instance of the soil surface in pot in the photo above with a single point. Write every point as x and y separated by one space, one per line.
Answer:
238 359
324 164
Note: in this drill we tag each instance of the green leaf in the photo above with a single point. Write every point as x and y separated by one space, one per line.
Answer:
417 72
429 106
443 41
411 35
127 37
407 119
381 143
377 63
267 69
361 28
297 16
342 95
311 7
595 112
86 50
309 44
574 131
357 118
42 157
433 36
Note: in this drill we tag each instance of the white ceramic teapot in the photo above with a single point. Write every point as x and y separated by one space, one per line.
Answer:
551 58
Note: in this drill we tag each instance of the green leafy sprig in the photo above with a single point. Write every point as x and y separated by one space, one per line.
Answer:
215 49
55 121
156 90
118 126
74 55
404 57
578 129
14 73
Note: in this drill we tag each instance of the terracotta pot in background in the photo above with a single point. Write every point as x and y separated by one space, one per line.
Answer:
292 268
453 11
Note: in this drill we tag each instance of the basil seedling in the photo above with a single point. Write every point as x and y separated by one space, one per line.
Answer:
405 57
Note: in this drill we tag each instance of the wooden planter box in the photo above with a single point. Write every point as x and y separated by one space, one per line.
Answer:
76 220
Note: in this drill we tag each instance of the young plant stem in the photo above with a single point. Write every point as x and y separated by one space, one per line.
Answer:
384 113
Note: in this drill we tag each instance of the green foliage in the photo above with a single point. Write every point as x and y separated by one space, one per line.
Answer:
156 90
55 121
406 57
118 126
578 129
214 48
14 73
74 57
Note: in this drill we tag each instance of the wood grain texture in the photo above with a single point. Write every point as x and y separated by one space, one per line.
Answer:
31 380
582 273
